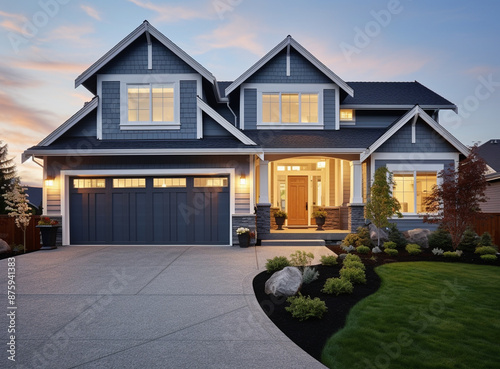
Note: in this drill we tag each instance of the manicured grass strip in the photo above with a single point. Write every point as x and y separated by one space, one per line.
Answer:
425 315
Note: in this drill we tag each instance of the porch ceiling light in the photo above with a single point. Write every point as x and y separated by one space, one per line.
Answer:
321 164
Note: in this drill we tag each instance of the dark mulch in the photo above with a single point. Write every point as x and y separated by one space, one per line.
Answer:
311 335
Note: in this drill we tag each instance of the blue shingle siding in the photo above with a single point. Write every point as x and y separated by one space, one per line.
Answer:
134 60
213 129
86 127
301 71
375 118
111 115
329 108
427 140
250 108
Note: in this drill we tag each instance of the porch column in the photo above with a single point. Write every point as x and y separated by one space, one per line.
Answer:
263 208
356 183
264 182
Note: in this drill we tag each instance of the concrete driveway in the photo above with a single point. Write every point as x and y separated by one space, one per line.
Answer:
143 307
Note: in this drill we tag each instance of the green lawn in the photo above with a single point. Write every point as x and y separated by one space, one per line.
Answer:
425 315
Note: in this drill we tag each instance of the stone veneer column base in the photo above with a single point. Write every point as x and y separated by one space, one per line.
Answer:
356 216
263 214
246 221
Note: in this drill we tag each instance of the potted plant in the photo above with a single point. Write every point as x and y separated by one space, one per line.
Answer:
279 217
244 236
320 216
48 231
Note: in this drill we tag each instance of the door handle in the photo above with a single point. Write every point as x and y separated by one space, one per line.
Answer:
306 206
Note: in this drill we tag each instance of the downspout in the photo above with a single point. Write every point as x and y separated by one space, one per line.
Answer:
34 161
235 117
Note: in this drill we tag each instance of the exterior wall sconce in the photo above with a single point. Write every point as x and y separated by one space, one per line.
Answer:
49 181
243 179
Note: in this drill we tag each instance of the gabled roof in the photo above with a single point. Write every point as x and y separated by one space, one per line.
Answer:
144 28
299 48
397 94
490 152
417 111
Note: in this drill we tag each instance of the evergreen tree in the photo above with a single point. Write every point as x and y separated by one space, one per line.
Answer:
7 175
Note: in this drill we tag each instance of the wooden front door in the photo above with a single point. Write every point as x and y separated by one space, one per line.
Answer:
297 201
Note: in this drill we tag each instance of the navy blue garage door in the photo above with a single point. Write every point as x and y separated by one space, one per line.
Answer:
147 210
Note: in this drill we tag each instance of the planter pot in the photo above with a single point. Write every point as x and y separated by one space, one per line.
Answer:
320 222
279 223
244 239
49 236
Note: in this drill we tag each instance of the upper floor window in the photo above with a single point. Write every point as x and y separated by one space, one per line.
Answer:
289 108
347 115
150 102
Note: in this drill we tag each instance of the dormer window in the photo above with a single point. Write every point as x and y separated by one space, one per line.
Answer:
289 108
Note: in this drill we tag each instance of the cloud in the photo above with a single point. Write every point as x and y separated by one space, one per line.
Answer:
12 78
13 22
75 34
91 12
52 66
174 13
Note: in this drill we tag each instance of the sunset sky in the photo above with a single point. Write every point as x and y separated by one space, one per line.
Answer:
451 46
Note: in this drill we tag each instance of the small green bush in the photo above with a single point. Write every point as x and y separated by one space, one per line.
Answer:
303 308
469 242
328 260
391 252
352 257
337 286
485 250
364 236
451 254
309 275
354 275
277 263
363 249
396 236
413 249
390 245
352 239
440 239
353 264
485 239
488 257
301 258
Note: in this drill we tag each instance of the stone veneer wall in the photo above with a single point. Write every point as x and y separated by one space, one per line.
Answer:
243 220
332 220
356 217
263 214
273 219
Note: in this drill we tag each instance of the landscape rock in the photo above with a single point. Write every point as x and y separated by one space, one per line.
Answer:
419 236
376 250
342 256
4 247
374 232
285 282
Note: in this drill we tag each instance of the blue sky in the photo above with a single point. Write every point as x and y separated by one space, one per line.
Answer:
451 46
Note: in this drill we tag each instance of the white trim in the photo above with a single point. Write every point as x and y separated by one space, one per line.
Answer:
242 109
405 119
290 126
252 183
144 27
142 152
199 113
150 56
223 122
396 107
63 128
337 109
314 150
414 129
288 58
301 50
65 174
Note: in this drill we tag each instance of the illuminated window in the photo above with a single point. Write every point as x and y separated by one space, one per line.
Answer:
150 103
210 182
89 183
347 115
129 182
412 188
169 182
289 108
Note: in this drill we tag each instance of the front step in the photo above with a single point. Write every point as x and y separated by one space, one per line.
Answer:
293 243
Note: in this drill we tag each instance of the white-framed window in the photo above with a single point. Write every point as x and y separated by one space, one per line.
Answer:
129 182
89 183
289 107
152 102
411 189
169 182
347 115
211 182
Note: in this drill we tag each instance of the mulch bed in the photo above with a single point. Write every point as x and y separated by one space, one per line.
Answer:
311 335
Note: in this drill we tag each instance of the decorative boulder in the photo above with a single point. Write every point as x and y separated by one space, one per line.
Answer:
376 250
4 247
285 282
419 236
342 257
374 232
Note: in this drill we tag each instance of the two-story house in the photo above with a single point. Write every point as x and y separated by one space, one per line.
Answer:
165 154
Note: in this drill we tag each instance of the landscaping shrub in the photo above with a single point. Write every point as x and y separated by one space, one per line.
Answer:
353 264
303 308
337 286
469 242
328 260
485 250
277 263
451 254
486 240
309 275
437 251
353 257
391 252
360 238
363 249
352 239
354 275
440 239
413 249
390 245
301 258
489 257
396 236
348 249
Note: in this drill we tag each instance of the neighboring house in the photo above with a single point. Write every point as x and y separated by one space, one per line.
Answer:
166 154
490 152
35 198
